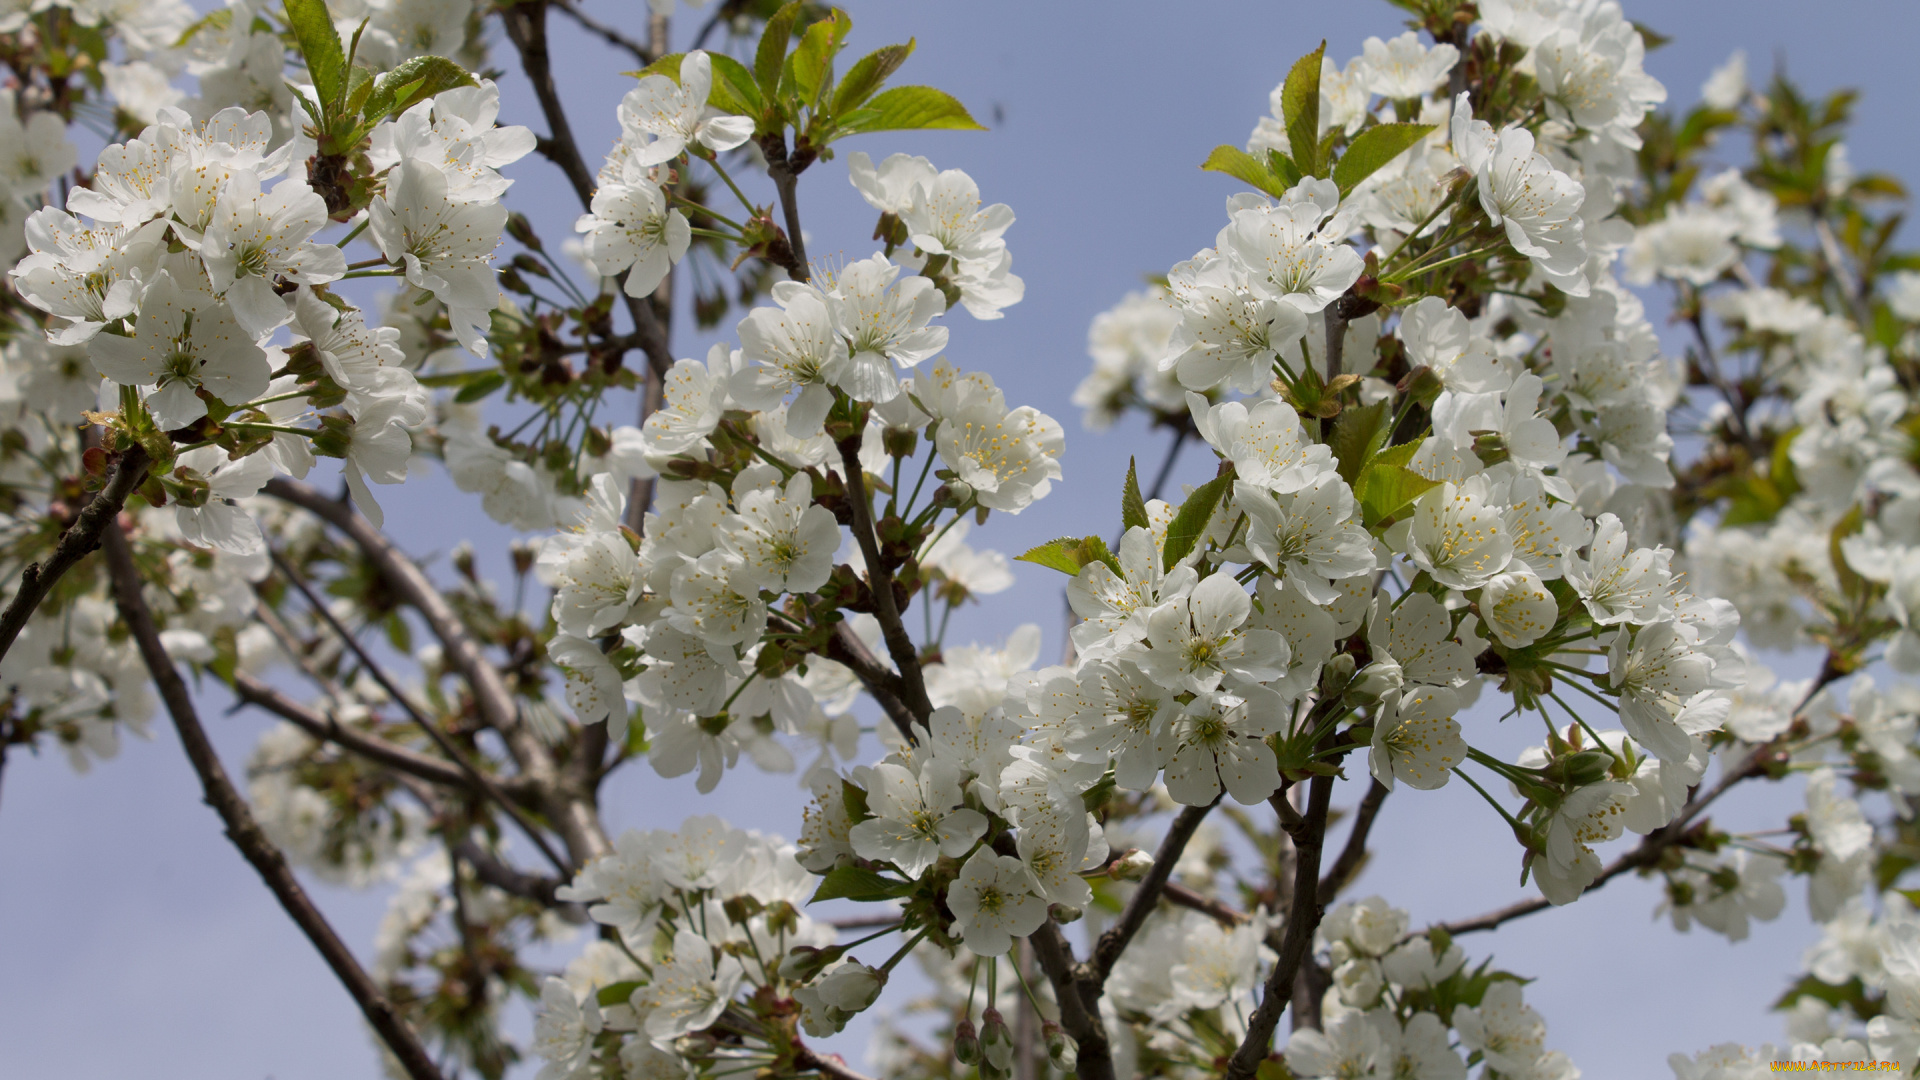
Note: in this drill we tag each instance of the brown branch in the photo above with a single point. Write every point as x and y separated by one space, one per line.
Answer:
1217 910
75 544
328 728
1303 918
807 1059
1355 852
784 170
475 776
1145 897
1648 851
906 658
570 809
526 26
1079 1011
606 33
241 827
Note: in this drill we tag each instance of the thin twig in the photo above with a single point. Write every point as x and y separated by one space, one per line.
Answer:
607 33
1079 1013
806 1058
571 811
1355 852
1147 895
906 658
1166 467
328 728
241 827
1303 917
1710 365
1849 286
479 779
526 26
80 538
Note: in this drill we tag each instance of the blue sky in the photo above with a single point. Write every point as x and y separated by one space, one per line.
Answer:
136 942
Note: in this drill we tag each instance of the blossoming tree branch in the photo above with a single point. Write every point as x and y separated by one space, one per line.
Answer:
1445 475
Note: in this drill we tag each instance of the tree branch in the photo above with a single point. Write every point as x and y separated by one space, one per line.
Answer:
1303 918
1147 896
569 809
784 170
477 778
241 827
526 26
607 33
906 658
1348 863
80 538
806 1058
1079 1012
328 728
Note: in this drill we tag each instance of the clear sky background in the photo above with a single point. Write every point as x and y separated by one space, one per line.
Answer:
135 942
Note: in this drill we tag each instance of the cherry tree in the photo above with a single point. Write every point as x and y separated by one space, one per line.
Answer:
1456 483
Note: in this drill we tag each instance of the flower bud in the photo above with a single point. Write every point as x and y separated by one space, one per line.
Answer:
996 1041
852 986
1375 681
1064 913
966 1043
1061 1049
1581 769
1132 866
1336 674
463 560
803 962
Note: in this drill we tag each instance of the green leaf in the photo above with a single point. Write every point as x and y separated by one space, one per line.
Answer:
859 883
813 60
618 993
1283 167
320 47
1241 165
911 108
866 76
1300 108
1354 433
1068 554
413 82
1386 485
1191 522
770 56
1851 522
1372 149
734 90
854 798
1133 509
217 19
481 387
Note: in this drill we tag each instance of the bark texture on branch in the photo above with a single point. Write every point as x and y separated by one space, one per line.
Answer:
241 827
75 544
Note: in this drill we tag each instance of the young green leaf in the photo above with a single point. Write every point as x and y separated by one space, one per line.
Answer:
734 90
320 47
770 56
1385 489
867 74
413 82
1300 108
1191 522
1353 437
1283 167
618 993
859 883
1133 509
1372 149
910 108
1243 166
813 60
1068 554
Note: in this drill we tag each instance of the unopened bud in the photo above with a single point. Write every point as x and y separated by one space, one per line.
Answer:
966 1043
1375 681
1133 866
1061 1049
521 230
1336 674
1581 769
996 1040
1422 384
463 560
803 962
523 555
899 442
1064 913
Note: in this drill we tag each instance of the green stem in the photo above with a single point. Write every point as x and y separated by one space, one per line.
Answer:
707 210
894 960
1511 820
737 193
357 230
